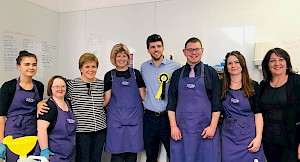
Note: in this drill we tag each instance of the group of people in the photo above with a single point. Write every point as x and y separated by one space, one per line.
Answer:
181 109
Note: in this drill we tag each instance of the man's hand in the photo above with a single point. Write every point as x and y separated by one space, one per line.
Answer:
176 133
42 107
208 132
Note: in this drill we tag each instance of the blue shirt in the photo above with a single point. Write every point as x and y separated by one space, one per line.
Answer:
150 75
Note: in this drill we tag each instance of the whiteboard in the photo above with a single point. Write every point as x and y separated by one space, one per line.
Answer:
25 26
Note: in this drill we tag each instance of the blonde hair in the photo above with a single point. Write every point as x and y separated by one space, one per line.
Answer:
117 49
87 57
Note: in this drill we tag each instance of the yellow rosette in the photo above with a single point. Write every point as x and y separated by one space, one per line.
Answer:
163 78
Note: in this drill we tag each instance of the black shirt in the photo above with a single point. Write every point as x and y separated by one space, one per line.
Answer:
51 116
291 113
273 104
126 74
7 93
212 86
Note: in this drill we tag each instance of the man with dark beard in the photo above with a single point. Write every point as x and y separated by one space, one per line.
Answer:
156 74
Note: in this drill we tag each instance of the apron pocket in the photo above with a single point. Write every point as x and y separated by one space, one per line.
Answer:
128 116
193 122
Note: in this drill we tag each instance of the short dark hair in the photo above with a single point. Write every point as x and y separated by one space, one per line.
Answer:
192 40
265 63
154 38
24 54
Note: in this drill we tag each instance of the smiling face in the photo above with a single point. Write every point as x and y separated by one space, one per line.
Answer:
88 71
193 52
233 65
121 60
277 65
156 50
28 66
58 88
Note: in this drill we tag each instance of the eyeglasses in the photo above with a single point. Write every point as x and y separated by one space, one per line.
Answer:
191 50
88 85
59 87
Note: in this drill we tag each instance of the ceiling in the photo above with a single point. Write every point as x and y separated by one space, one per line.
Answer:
77 5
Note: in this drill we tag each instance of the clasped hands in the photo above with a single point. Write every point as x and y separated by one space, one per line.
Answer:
207 133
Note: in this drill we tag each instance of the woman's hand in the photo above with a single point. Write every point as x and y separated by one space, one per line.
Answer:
254 145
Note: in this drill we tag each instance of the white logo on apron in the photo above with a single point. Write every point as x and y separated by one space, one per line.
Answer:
29 99
190 85
71 121
234 100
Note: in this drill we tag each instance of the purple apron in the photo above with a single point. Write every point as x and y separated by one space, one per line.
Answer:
124 116
238 129
62 140
193 114
21 117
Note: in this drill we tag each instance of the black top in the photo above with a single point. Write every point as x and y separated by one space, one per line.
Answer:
291 114
254 100
51 116
126 74
273 102
212 86
7 93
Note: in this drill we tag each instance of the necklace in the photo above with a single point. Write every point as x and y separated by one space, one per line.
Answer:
279 82
236 83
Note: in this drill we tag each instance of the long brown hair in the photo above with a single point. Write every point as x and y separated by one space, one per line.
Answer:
246 80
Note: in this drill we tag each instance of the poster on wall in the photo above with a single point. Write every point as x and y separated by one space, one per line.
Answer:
131 60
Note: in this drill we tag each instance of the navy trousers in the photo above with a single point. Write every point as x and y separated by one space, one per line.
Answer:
156 130
279 153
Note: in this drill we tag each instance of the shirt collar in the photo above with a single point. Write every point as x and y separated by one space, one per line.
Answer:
164 61
197 66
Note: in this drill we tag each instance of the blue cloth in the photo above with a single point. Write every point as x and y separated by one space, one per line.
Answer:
150 75
2 151
46 153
